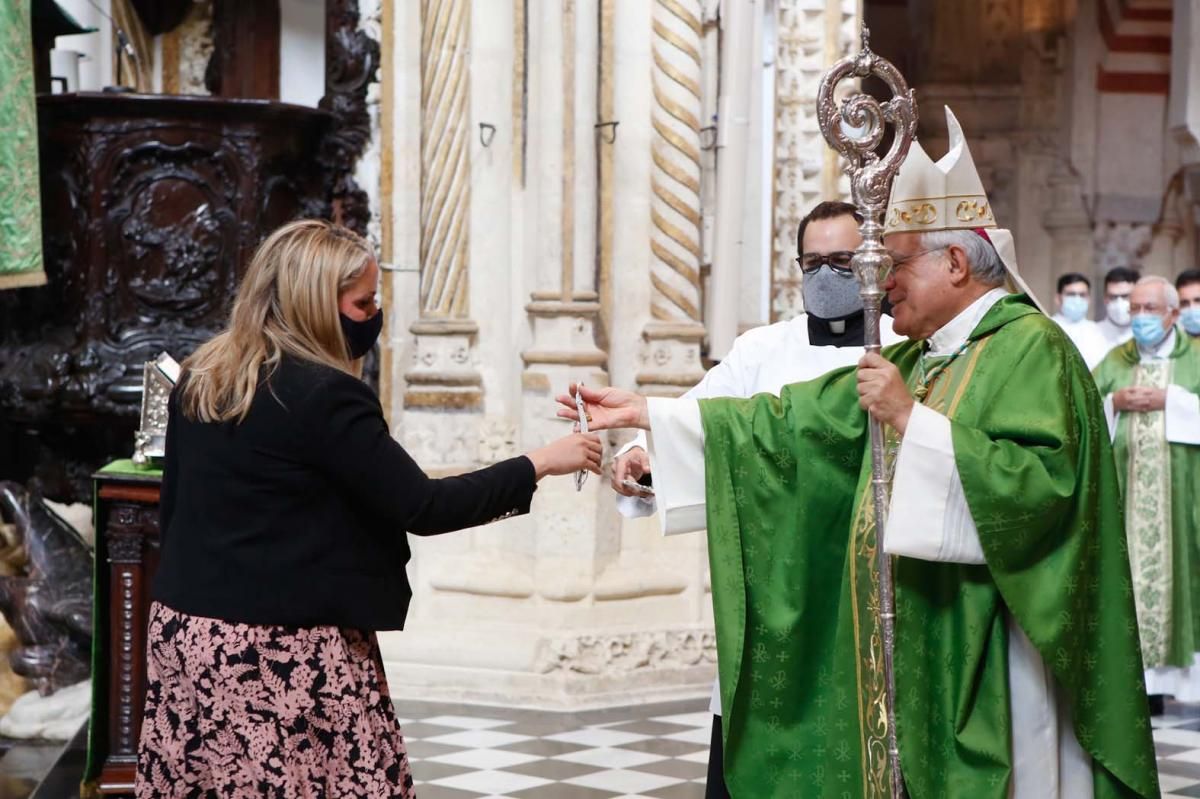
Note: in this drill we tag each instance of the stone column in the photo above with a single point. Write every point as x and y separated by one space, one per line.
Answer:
564 606
444 394
671 355
1070 228
811 36
564 307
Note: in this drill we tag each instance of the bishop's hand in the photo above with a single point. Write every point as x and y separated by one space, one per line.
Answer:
606 408
882 391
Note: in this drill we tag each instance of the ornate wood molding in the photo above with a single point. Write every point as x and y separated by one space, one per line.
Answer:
152 205
351 61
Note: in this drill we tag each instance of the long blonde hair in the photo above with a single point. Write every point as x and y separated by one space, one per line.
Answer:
287 303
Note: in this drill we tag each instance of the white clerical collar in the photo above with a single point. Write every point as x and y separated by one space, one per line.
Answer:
952 336
1160 350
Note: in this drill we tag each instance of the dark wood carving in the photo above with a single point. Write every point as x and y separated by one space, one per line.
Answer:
152 206
351 61
128 544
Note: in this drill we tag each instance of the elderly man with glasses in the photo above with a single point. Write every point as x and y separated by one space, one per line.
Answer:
1151 389
1017 665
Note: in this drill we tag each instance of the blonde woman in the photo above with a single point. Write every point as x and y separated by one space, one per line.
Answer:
284 508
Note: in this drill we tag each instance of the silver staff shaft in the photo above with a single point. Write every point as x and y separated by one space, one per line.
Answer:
871 264
855 127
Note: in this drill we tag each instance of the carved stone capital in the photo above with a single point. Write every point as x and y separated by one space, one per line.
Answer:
563 333
497 439
444 373
623 653
670 358
1121 244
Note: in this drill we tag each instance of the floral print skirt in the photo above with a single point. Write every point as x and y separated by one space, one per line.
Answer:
241 710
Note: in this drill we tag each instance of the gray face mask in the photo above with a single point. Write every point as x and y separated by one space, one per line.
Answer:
828 295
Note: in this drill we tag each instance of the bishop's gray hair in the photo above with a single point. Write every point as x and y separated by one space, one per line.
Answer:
982 257
1170 293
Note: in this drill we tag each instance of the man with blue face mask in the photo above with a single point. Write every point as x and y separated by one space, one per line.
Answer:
1188 286
1074 298
1151 389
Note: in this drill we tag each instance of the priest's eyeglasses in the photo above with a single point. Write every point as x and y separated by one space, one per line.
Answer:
839 262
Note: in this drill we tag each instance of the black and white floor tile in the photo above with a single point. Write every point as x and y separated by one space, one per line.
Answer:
467 752
644 752
652 751
1177 744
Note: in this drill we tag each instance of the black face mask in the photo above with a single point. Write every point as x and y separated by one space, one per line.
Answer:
361 336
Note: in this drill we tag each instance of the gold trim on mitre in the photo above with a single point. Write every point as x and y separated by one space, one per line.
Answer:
947 195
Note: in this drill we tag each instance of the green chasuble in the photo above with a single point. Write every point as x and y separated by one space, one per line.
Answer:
792 551
20 211
1160 482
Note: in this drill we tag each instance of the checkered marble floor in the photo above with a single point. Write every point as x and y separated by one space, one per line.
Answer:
1177 743
647 751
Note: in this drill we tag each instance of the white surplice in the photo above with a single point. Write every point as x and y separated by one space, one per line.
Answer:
928 519
1114 334
1182 417
1087 338
763 359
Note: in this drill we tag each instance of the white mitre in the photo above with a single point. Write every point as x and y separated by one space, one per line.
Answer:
948 195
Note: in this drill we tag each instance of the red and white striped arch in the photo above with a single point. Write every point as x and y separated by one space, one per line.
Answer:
1136 36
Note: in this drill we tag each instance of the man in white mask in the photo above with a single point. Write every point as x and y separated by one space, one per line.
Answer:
1151 390
1074 299
1118 285
828 335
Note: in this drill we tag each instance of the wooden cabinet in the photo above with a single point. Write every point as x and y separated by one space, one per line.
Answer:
127 549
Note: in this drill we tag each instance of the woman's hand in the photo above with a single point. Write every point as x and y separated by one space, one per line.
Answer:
607 408
568 455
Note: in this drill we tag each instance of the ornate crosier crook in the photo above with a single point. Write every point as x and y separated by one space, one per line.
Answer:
870 185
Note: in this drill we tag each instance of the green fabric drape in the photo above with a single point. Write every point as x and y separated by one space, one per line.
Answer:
792 548
1180 481
20 211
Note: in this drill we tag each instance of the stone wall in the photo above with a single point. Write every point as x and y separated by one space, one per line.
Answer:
574 179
